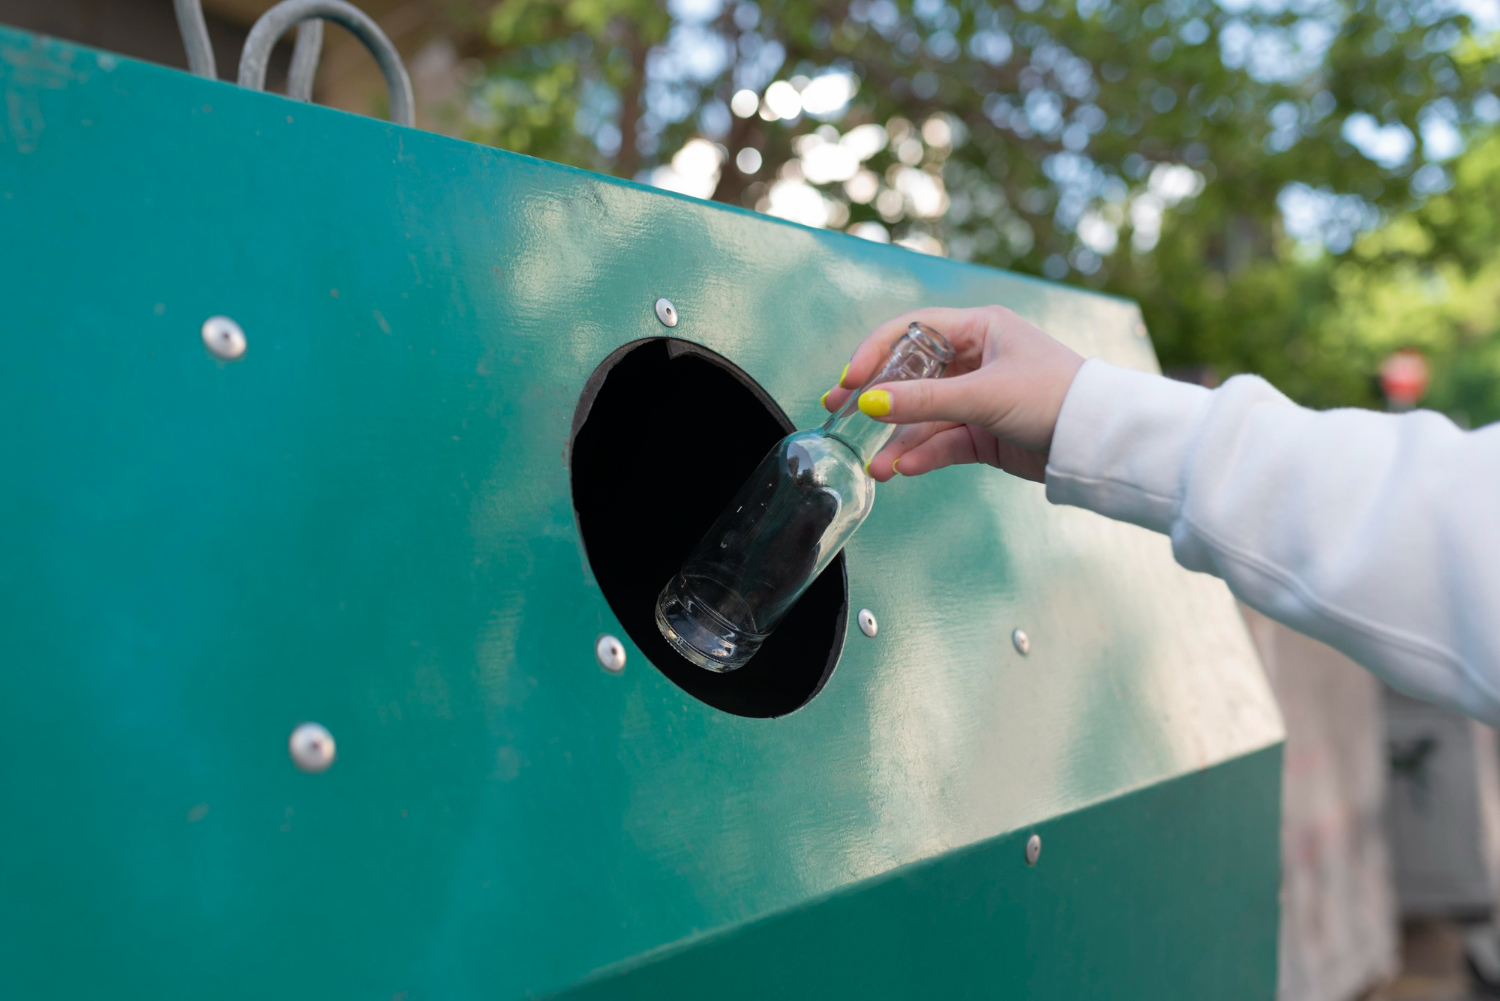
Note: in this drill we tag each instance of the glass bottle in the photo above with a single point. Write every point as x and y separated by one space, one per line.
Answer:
786 524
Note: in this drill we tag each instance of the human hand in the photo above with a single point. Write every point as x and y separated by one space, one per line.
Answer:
997 403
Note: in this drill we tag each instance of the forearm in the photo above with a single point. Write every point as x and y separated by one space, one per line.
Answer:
1377 534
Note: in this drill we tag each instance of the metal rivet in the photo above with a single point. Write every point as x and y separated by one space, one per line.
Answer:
666 312
611 654
312 748
1022 641
223 338
1033 849
867 623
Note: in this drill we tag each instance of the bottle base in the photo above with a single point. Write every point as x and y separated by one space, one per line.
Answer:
699 633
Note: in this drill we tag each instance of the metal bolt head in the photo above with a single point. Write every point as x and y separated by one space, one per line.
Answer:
611 654
1022 642
223 338
1033 849
666 312
312 748
867 623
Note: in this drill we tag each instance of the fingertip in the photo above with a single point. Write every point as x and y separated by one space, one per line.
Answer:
914 465
875 402
823 400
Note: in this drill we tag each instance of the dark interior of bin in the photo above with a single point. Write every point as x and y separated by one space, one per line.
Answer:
664 434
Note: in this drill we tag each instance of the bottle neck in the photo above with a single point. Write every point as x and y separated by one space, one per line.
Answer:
921 353
864 435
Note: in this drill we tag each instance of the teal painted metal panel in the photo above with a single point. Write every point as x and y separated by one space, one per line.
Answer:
1186 860
367 522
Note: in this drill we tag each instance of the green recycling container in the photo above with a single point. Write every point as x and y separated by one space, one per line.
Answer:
423 502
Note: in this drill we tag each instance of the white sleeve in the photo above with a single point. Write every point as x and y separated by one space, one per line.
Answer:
1378 534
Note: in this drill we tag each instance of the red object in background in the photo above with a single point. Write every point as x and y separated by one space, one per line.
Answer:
1403 378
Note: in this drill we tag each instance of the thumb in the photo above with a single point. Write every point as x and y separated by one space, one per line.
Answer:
962 400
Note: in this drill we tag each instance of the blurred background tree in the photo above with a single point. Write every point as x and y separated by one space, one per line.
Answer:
1290 187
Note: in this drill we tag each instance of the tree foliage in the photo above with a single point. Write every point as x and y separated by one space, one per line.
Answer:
1148 147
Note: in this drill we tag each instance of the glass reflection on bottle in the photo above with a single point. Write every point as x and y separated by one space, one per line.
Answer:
786 524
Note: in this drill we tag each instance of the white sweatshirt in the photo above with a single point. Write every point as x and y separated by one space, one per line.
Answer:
1378 534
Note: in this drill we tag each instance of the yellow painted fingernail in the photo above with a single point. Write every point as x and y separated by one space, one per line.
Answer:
867 468
894 464
875 402
842 374
824 400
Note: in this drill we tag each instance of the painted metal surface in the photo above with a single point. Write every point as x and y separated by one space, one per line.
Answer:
365 521
1184 859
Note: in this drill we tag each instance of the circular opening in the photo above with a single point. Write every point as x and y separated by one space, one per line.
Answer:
664 434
